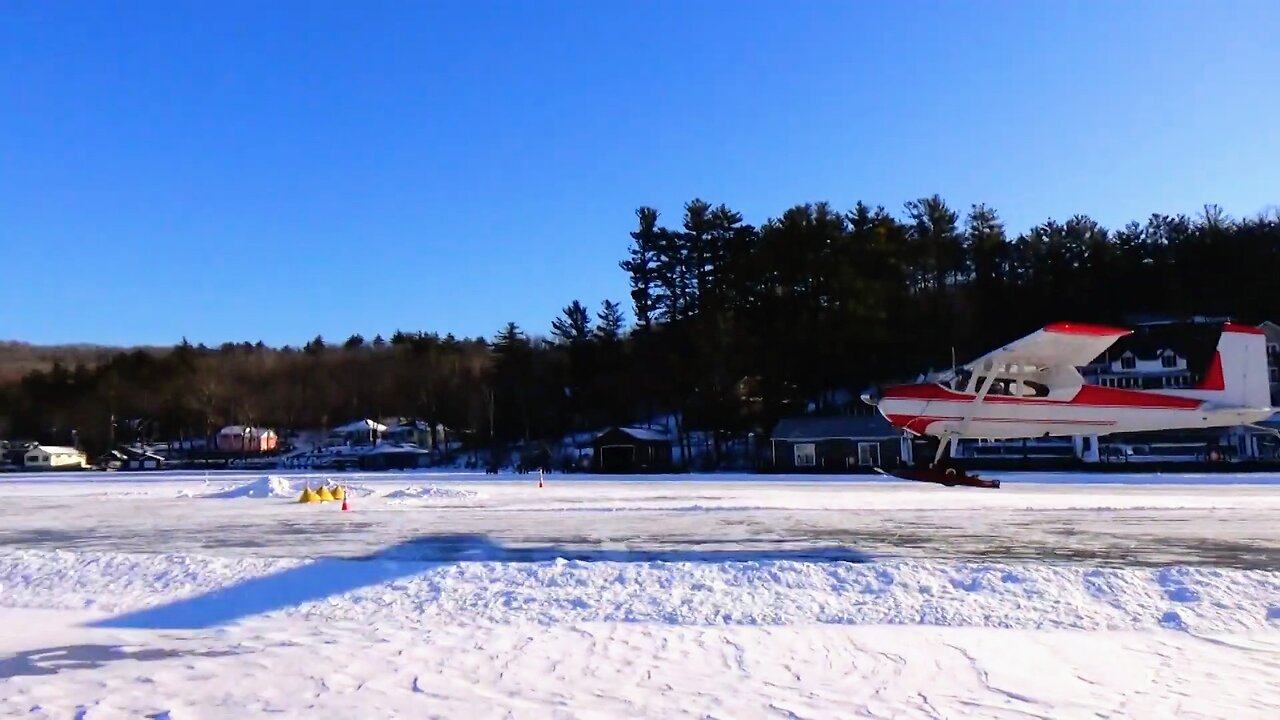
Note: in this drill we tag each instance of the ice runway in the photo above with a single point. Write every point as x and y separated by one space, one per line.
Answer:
157 595
1036 518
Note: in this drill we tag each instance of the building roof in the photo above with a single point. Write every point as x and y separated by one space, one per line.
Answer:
409 424
835 427
361 426
243 430
398 449
1153 319
642 434
56 449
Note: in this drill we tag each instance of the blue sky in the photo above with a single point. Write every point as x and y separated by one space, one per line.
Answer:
246 170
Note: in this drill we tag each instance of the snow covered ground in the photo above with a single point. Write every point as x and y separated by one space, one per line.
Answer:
161 595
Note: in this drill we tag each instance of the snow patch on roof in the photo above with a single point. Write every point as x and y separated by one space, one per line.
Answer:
57 449
644 434
361 426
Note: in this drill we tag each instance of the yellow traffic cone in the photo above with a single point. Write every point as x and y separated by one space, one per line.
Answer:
325 495
308 496
339 493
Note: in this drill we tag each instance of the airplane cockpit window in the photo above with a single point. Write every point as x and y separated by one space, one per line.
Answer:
1009 387
959 382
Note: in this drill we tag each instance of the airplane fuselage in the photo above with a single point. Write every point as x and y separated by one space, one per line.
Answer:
936 410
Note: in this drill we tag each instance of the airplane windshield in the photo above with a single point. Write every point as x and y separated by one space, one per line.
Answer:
1000 386
959 381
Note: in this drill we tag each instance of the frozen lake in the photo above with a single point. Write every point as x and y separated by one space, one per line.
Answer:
1104 520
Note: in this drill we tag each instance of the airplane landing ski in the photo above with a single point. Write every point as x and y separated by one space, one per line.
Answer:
951 477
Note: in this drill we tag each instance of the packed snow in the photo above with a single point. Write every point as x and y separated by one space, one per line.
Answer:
430 492
271 486
474 597
469 580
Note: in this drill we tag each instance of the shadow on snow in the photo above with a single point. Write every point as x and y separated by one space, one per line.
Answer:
328 577
51 661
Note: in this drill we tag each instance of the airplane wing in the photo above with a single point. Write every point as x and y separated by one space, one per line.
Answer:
1060 344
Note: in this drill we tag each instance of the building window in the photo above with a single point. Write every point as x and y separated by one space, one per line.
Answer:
806 455
33 458
1169 360
1128 362
869 454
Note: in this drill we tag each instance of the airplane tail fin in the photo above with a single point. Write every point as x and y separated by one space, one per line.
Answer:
1238 369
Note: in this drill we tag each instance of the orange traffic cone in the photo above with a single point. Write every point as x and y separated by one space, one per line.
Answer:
539 478
345 507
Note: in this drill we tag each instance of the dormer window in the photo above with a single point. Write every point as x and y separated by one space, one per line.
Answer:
1128 361
1168 359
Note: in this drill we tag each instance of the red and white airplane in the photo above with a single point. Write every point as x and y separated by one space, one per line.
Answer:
1032 387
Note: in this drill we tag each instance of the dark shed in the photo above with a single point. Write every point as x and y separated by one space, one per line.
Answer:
838 444
631 450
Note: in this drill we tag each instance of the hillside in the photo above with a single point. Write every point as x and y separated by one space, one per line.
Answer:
19 358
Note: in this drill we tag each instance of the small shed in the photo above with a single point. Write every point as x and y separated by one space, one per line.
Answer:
242 439
53 457
838 444
631 450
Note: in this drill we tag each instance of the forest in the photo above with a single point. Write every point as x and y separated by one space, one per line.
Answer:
728 327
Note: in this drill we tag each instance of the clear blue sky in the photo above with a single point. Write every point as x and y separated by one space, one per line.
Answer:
240 170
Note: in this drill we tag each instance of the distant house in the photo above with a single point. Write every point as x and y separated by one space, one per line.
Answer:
419 432
360 432
53 457
242 439
140 459
631 450
838 444
390 456
11 453
1147 362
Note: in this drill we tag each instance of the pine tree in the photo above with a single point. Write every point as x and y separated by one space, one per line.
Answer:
574 327
611 322
641 267
315 346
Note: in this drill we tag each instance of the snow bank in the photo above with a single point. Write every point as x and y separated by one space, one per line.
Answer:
688 592
57 667
431 492
271 486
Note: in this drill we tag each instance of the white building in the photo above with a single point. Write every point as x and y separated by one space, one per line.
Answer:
54 457
360 432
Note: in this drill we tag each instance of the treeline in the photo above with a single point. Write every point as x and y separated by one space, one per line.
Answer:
19 358
728 327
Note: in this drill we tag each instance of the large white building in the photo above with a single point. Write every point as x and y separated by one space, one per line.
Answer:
54 457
